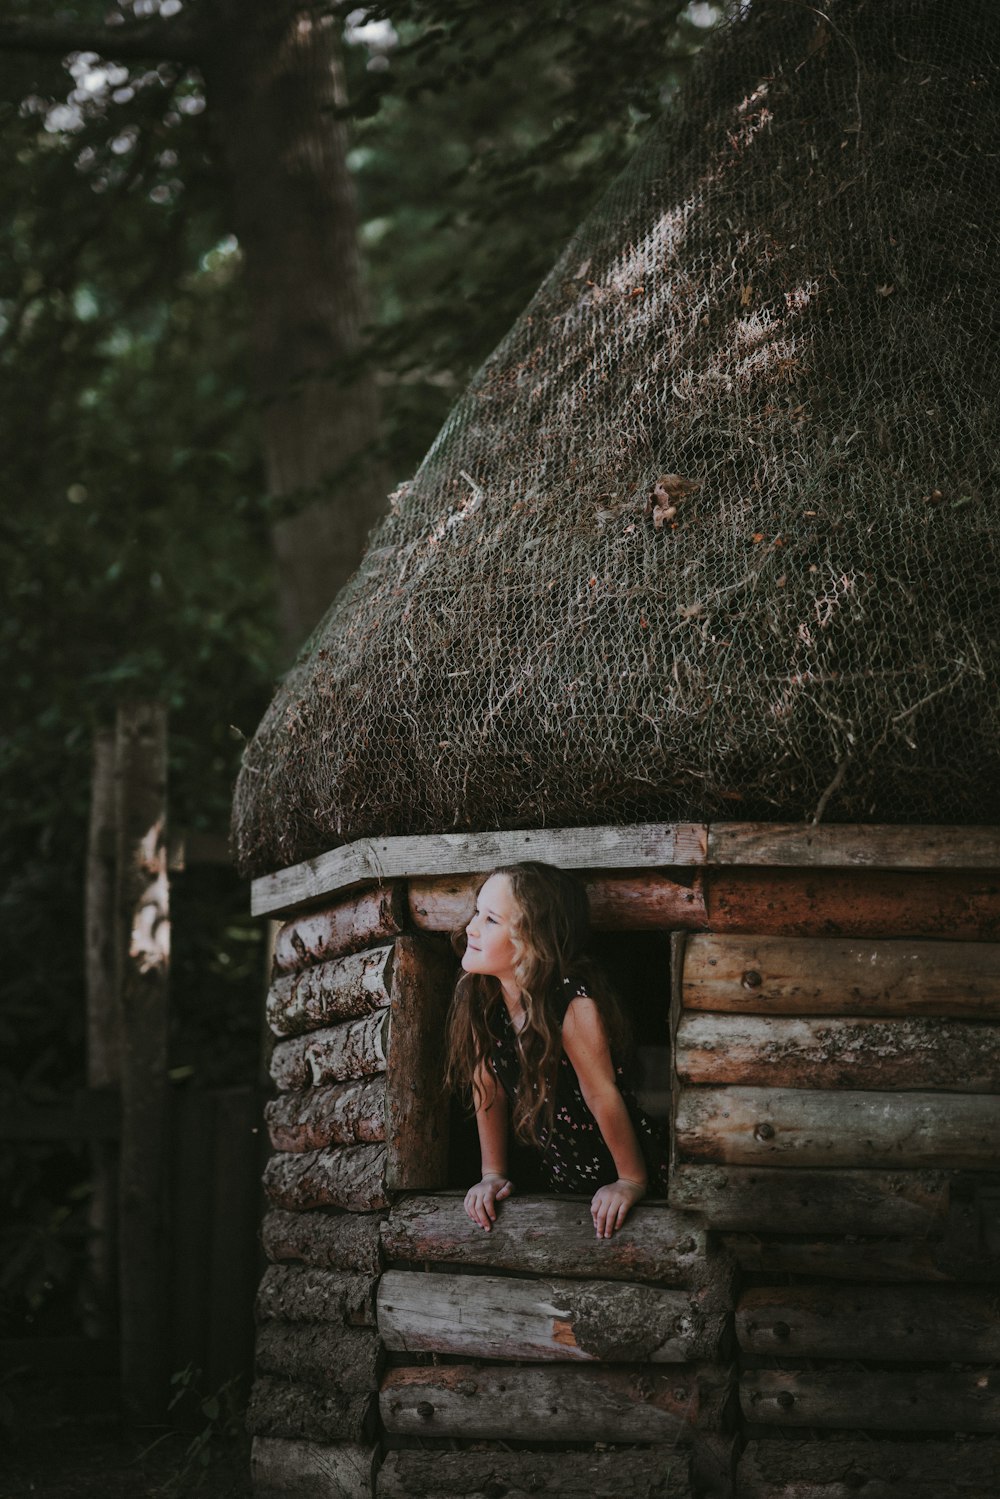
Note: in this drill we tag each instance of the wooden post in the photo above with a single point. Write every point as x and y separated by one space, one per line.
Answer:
144 960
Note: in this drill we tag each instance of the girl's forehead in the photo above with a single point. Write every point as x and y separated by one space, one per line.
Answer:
498 895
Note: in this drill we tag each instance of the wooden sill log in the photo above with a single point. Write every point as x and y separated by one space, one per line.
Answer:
854 903
342 989
754 1126
416 1104
935 1400
830 1052
878 1470
300 1293
837 976
344 1359
516 1475
931 1259
280 1408
350 1177
307 1470
553 1404
774 1199
870 1322
634 900
551 1236
345 926
339 1052
330 1241
350 1113
489 1317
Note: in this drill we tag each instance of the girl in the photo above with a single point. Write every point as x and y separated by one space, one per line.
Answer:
538 1039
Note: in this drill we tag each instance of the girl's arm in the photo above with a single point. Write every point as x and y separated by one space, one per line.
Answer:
491 1122
586 1045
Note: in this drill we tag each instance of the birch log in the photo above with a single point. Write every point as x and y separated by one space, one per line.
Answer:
338 990
338 1052
279 1407
311 1470
330 1241
350 1113
350 1177
301 1293
771 1199
929 1322
489 1317
416 1103
927 1400
879 1470
321 1353
517 1475
345 926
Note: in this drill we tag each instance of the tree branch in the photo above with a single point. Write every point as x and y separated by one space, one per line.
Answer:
171 40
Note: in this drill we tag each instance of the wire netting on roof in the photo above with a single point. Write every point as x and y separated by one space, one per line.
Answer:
713 531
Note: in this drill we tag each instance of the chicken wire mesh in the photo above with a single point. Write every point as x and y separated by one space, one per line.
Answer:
712 531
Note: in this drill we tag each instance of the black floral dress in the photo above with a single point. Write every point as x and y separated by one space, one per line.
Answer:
574 1157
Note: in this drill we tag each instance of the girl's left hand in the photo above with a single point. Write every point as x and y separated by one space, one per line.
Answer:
610 1205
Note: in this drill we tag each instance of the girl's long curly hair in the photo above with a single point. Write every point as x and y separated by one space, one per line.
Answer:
549 933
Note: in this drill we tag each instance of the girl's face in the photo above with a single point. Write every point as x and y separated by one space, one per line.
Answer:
489 937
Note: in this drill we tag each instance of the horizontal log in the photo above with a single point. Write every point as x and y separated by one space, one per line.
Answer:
330 1241
311 1470
350 1176
279 1407
350 1113
551 1404
344 926
836 976
928 1400
858 845
870 1322
551 1236
517 1475
634 900
327 1354
416 1103
769 1199
853 903
301 1293
341 989
875 1470
488 1317
781 1051
883 1259
753 1126
338 1052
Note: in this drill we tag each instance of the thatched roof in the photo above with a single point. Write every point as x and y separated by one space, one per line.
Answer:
786 308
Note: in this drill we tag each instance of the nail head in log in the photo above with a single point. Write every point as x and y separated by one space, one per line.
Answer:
572 1475
335 1054
884 1470
635 900
345 926
550 1236
553 1404
301 1293
489 1317
770 1199
280 1408
339 990
750 1126
838 976
351 1113
311 1470
350 1177
345 1359
330 1241
857 1399
870 1322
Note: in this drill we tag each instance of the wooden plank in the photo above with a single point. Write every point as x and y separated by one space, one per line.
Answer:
874 1470
553 1404
377 859
635 900
488 1317
870 1259
781 1051
928 1400
416 1106
551 1236
302 1293
836 976
486 1474
330 1241
280 1407
854 903
346 1359
350 1177
308 1470
854 845
772 1200
757 1126
335 1054
144 955
870 1322
345 926
339 989
351 1113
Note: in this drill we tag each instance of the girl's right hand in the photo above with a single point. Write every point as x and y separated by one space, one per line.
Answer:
481 1200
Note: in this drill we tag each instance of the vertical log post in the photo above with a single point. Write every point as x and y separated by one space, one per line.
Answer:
144 959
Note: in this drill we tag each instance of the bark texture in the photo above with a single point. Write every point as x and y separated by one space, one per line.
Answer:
329 1241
